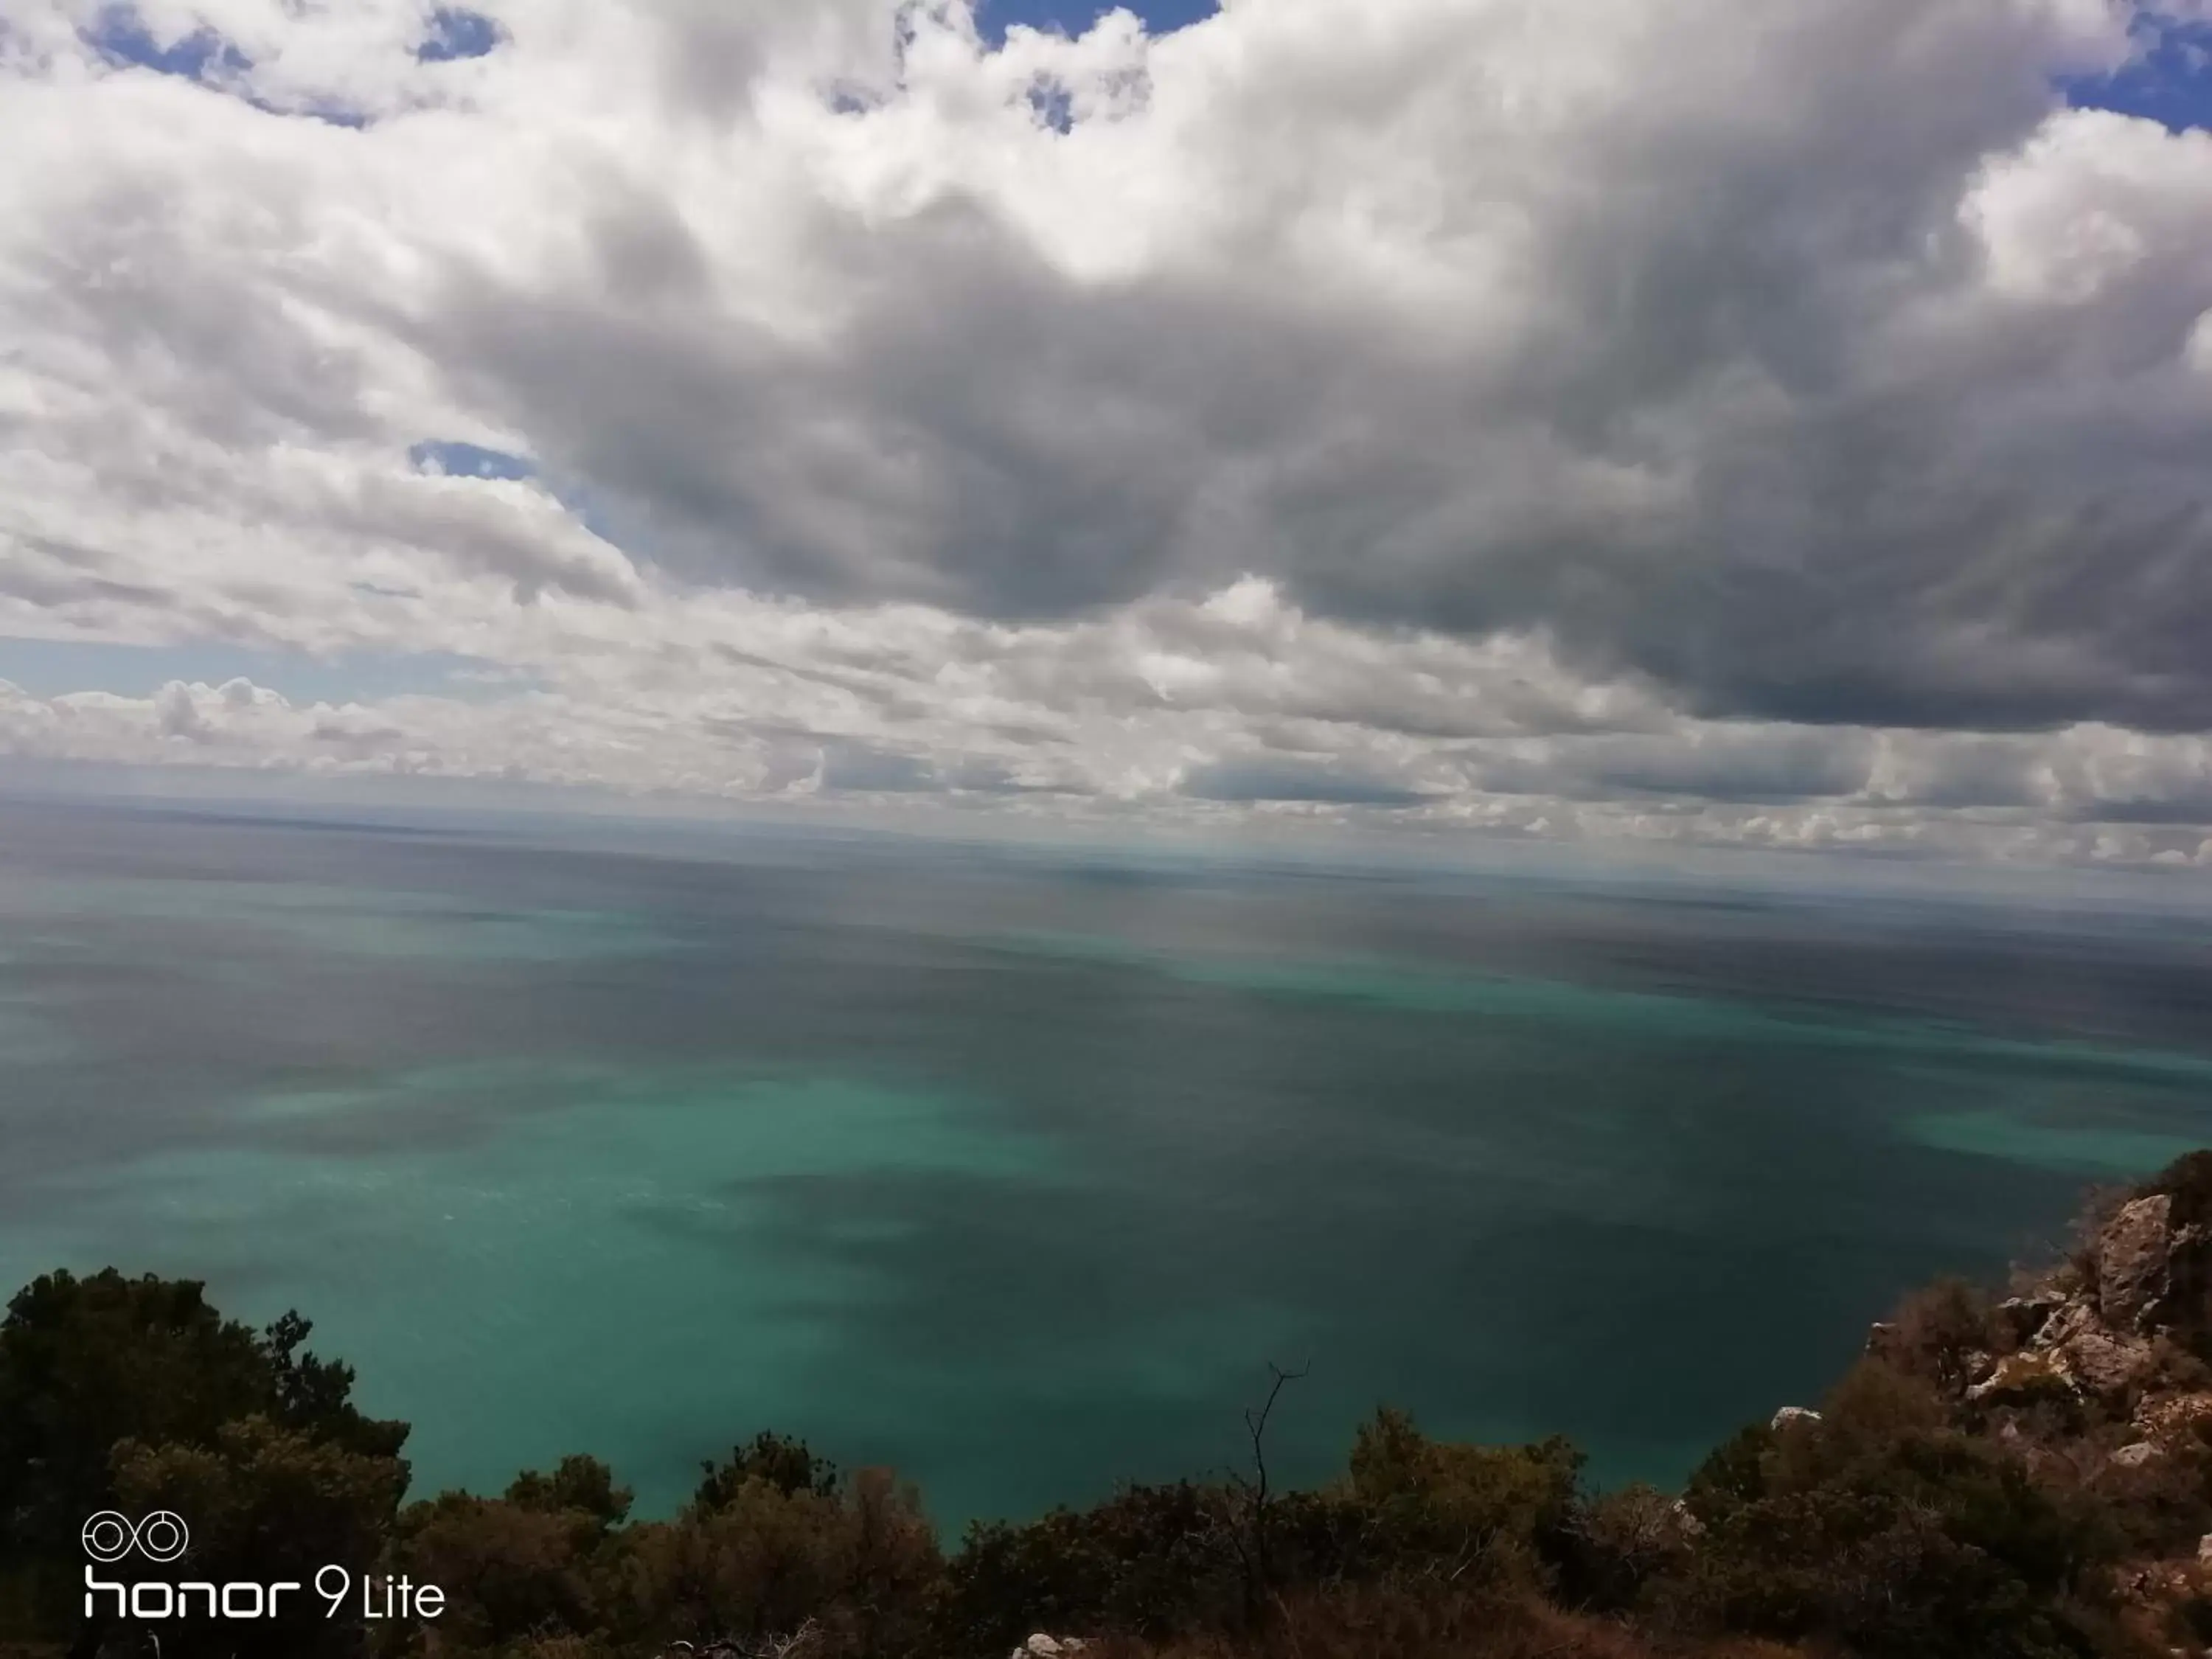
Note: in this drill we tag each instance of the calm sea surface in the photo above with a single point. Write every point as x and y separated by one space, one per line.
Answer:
1015 1169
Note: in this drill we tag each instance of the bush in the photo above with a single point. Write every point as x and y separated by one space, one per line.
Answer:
510 1570
1152 1560
1938 1334
1879 1527
784 1463
578 1486
1621 1542
1899 1521
88 1364
859 1561
266 1504
1500 1512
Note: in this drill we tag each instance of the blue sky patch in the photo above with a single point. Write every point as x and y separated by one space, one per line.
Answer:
460 460
1052 105
53 668
455 32
2170 81
1075 16
121 36
447 458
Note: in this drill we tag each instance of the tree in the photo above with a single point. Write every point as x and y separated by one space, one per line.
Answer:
784 1463
87 1364
268 1504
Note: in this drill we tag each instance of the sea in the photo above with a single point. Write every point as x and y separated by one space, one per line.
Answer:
1017 1167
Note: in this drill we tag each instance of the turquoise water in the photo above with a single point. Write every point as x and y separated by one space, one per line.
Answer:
1017 1173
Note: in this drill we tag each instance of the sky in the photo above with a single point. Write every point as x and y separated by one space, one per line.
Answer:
1624 422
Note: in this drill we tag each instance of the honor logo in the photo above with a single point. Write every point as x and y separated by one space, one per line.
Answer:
162 1536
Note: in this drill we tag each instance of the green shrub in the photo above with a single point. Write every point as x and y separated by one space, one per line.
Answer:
859 1561
1152 1560
266 1503
784 1463
578 1486
1498 1511
1937 1334
1880 1528
88 1364
1621 1542
508 1569
1899 1521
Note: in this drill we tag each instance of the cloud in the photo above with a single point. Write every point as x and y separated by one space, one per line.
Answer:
1640 420
1262 778
1718 762
857 768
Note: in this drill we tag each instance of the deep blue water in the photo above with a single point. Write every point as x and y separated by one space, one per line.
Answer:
1016 1169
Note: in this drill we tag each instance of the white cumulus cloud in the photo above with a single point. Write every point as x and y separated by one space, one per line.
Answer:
1666 419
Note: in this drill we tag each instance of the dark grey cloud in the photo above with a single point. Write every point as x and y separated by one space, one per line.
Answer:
1956 772
987 439
1720 765
1665 419
1756 414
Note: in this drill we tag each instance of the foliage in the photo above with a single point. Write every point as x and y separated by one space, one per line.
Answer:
1620 1544
268 1504
87 1364
1899 1521
2188 1182
1878 1527
1939 1331
761 1554
784 1463
1395 1620
1150 1559
578 1486
1500 1512
510 1570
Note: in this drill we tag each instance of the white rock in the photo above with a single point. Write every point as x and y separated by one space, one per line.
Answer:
2109 1364
2026 1315
2134 1262
1790 1414
1041 1646
2204 1548
2070 1321
2026 1373
2134 1456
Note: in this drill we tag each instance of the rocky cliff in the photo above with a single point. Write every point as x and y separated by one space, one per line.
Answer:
2096 1373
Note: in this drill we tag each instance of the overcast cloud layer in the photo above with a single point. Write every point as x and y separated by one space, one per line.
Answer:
1666 418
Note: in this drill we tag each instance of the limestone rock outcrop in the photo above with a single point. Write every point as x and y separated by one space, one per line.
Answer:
2134 1262
2173 1416
2110 1365
2115 1327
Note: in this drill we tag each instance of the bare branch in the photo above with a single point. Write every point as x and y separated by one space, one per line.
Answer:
1258 1568
1257 1425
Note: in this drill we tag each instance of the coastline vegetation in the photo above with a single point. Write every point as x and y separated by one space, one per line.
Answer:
2025 1476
